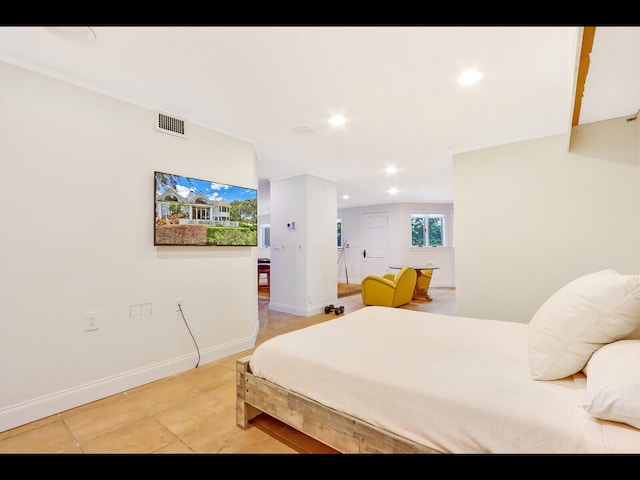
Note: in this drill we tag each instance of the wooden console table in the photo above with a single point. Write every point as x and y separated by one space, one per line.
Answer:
264 267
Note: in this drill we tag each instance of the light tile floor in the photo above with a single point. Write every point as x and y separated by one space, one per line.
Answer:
191 412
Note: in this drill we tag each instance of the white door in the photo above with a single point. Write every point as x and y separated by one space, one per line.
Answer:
375 244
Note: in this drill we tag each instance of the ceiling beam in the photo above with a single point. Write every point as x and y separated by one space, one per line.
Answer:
583 68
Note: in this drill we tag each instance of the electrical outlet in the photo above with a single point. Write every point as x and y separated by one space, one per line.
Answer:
179 304
91 321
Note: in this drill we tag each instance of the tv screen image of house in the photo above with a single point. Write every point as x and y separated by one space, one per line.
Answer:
192 211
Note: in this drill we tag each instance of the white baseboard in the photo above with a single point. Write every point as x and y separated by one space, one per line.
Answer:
39 408
296 310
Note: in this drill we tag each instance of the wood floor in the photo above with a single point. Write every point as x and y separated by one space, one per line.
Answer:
192 412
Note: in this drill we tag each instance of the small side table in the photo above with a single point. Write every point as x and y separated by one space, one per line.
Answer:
418 292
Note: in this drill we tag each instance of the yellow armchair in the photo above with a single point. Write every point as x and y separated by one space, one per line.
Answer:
389 290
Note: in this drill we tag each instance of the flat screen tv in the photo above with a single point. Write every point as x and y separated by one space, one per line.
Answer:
191 211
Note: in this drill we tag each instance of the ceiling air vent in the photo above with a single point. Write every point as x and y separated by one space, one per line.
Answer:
171 125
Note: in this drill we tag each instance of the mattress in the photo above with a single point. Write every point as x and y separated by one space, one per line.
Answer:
453 384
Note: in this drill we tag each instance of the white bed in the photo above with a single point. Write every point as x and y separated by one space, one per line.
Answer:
395 380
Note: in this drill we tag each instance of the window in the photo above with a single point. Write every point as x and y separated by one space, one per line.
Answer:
427 230
200 213
265 235
339 233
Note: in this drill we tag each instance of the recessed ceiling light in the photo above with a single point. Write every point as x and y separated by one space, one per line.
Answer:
391 169
345 197
469 77
393 191
337 120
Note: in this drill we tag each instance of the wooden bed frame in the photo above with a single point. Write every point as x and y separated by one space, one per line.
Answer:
340 431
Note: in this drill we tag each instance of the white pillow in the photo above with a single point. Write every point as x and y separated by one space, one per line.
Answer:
613 383
634 335
579 318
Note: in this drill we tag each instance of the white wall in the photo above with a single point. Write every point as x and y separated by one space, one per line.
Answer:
350 259
264 206
262 252
303 274
531 216
77 236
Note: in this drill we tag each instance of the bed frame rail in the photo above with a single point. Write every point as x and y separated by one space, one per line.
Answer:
340 431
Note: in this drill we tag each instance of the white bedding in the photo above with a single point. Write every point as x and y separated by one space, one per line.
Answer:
454 384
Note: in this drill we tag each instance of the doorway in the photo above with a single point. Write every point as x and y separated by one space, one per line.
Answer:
375 243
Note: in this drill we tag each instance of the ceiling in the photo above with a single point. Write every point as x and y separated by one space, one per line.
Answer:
276 87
